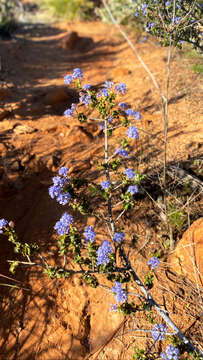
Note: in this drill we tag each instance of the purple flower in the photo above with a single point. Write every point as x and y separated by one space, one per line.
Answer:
137 13
122 152
158 332
68 79
120 294
63 198
57 189
121 88
69 112
63 171
114 307
105 92
59 181
3 223
132 189
109 84
118 237
54 191
87 86
143 39
103 253
149 26
129 112
176 20
154 262
110 119
102 125
77 73
98 95
85 98
63 225
137 115
89 234
123 105
129 173
132 132
143 8
168 3
171 353
105 184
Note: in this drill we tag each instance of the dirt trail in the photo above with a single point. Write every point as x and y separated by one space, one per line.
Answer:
52 319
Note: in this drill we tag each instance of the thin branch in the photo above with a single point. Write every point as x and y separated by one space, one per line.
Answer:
134 49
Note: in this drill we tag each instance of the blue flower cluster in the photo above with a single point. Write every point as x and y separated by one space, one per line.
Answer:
121 88
85 98
57 190
171 353
118 237
69 112
132 132
63 225
154 262
103 253
77 74
120 294
114 307
3 223
110 119
129 173
143 8
132 189
102 125
122 152
105 184
150 26
158 331
87 86
105 92
133 113
123 105
108 84
89 234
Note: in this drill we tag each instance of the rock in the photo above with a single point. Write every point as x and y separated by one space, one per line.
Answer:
84 44
78 134
56 96
93 128
15 166
26 159
91 220
23 129
4 114
119 73
70 40
187 258
77 351
4 93
36 109
3 149
78 167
